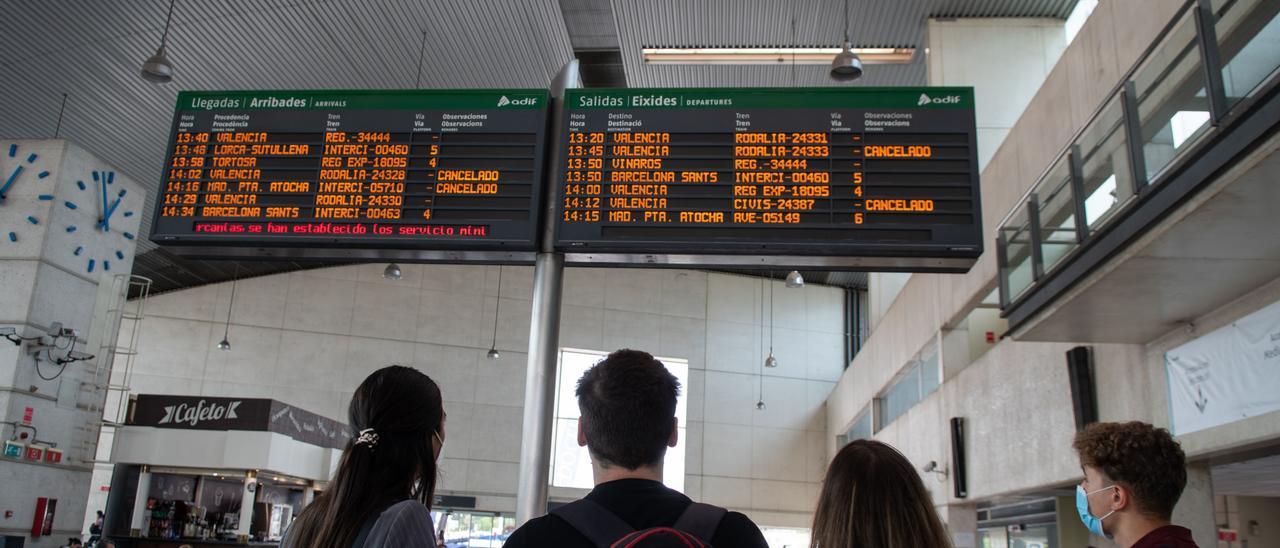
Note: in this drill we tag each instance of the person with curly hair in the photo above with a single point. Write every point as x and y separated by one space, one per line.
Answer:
1134 474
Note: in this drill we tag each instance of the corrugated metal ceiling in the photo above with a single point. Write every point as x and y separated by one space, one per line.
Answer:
92 51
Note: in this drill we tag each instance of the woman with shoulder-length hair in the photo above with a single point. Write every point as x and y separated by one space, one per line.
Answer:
381 494
873 498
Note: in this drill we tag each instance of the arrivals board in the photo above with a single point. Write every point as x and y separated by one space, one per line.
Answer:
882 178
365 170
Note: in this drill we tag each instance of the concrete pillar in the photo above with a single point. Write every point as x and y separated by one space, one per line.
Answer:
138 519
246 505
308 495
962 523
1071 531
50 230
1195 509
1005 60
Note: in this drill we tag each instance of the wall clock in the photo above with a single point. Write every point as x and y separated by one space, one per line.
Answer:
106 204
19 169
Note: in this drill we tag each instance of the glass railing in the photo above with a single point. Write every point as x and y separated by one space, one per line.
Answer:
1212 58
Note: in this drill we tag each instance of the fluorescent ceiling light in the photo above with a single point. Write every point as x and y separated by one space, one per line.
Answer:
771 56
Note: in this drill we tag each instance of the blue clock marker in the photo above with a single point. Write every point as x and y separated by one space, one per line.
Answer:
120 255
46 197
91 265
78 251
70 205
13 237
128 235
71 229
33 220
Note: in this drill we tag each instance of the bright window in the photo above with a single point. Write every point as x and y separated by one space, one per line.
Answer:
785 537
571 464
1186 124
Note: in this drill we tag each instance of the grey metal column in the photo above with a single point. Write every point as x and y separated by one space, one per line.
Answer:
544 328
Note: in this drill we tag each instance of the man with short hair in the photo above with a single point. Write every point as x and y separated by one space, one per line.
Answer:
628 421
1134 474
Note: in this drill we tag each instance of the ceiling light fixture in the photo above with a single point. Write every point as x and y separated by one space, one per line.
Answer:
760 377
770 361
846 66
225 343
800 55
493 353
392 272
794 279
157 68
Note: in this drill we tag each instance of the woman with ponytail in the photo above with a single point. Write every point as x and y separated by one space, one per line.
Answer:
381 494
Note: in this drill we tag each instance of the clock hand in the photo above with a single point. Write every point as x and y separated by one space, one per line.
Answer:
102 207
9 182
110 211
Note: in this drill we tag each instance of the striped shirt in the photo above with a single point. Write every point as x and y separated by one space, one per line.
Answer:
405 524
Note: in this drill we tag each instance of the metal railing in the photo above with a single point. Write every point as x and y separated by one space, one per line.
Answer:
1198 75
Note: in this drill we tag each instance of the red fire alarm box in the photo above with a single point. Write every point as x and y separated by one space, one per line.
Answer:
52 456
35 453
1228 535
46 508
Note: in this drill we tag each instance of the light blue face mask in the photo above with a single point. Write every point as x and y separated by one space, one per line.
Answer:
1082 506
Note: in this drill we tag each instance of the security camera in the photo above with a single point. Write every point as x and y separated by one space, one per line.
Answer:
939 471
72 357
11 334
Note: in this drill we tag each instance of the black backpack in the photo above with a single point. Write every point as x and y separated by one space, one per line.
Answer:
693 529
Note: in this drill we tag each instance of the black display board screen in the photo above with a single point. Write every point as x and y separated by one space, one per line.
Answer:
362 170
883 178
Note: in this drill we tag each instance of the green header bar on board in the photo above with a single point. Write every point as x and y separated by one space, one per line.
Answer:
701 98
516 99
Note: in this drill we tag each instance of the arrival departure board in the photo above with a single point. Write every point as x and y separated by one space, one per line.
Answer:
884 178
419 170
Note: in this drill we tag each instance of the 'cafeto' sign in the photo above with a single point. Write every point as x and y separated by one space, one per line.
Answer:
251 414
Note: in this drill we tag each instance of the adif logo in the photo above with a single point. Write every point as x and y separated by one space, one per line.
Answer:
526 102
948 100
201 411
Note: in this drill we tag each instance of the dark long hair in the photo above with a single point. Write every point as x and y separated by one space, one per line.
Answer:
873 498
403 406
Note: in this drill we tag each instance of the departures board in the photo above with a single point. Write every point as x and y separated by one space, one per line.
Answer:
879 178
359 174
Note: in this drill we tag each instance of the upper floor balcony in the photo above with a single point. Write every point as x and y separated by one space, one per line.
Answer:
1165 204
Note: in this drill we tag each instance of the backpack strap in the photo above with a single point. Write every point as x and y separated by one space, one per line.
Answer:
594 521
701 520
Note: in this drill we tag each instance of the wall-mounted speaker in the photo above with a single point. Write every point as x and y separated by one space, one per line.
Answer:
1084 396
959 477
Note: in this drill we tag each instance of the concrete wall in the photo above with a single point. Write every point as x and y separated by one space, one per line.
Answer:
308 338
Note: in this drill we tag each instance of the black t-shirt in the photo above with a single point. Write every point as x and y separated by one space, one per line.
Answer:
642 504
